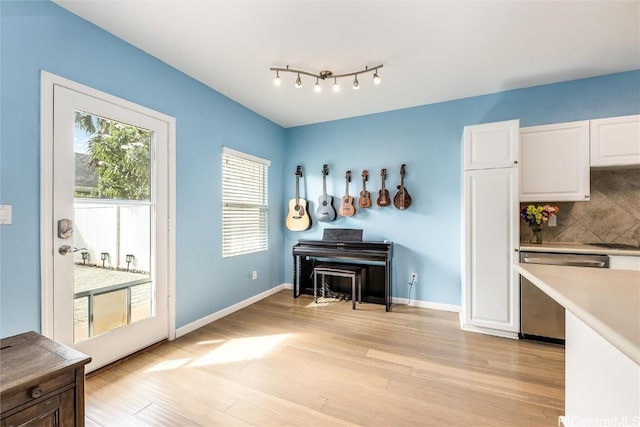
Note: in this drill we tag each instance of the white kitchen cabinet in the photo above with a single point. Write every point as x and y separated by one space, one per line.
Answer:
490 290
491 145
615 141
617 262
554 162
601 382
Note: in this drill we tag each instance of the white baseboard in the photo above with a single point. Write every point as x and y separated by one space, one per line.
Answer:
183 330
427 304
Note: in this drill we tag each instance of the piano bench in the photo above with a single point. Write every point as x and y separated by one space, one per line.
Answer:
353 272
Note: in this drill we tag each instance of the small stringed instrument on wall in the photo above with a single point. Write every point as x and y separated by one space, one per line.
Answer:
346 206
365 197
383 194
402 200
325 212
298 218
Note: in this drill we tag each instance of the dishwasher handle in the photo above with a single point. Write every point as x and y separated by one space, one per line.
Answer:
564 262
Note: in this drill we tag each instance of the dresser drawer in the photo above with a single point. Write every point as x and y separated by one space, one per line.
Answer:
18 396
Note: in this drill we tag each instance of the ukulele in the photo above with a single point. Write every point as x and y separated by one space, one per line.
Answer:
365 197
298 217
346 207
402 199
325 212
383 194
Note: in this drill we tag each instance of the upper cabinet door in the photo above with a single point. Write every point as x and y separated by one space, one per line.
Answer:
615 141
554 162
491 145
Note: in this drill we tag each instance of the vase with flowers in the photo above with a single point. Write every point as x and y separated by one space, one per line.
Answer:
535 217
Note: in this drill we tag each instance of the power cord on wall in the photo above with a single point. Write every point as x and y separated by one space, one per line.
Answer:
411 283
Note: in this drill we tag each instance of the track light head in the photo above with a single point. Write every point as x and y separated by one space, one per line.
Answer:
298 82
356 83
277 80
336 86
376 78
317 88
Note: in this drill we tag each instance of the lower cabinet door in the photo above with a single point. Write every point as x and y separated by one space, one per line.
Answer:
491 288
53 412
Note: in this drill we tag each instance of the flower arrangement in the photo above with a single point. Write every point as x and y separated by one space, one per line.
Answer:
535 217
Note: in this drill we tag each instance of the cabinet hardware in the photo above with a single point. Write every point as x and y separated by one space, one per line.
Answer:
36 392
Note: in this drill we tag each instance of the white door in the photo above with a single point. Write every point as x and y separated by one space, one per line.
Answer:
108 229
491 290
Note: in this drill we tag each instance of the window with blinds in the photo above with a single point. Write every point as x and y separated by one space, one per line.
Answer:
244 203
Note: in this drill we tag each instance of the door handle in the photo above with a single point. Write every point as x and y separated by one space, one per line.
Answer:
65 250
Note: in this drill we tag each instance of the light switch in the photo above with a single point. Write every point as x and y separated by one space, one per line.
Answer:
5 214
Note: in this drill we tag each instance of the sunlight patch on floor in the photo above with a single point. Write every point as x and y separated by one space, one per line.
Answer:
167 365
233 350
210 342
240 349
323 302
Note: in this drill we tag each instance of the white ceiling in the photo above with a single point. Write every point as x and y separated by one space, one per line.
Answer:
432 51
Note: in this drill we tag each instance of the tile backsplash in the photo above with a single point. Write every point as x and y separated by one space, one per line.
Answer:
612 215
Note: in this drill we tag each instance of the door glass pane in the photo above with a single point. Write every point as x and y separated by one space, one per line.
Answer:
112 232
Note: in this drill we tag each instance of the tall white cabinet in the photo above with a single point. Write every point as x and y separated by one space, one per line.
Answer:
490 288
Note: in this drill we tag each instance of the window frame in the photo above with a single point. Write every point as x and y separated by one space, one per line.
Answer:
232 201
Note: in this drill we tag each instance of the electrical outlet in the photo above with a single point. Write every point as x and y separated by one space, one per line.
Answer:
254 275
413 278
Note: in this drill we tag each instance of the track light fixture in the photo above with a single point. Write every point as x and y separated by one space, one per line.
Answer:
376 78
336 86
326 74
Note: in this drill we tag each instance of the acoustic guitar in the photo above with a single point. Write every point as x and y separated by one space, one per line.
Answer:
365 197
383 194
325 212
346 207
298 218
402 200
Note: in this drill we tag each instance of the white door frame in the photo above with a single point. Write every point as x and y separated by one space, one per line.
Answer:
47 81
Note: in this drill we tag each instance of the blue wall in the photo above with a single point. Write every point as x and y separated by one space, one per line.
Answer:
427 139
36 35
39 35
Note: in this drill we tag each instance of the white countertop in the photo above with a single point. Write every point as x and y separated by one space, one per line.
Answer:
576 248
606 300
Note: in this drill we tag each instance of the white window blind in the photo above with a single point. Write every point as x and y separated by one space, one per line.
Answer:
244 203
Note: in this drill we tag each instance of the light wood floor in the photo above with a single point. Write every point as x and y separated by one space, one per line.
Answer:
289 362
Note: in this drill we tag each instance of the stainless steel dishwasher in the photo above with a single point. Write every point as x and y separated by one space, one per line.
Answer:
541 318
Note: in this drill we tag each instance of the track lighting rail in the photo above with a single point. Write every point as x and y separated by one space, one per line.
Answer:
326 74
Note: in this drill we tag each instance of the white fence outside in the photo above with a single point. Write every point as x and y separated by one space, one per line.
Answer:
119 228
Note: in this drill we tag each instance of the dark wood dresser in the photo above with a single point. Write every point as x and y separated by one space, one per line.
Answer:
41 382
